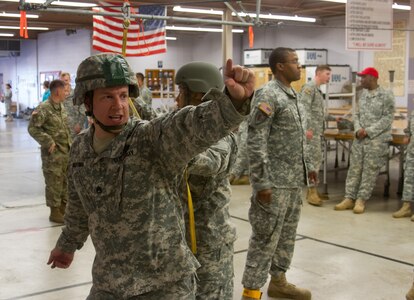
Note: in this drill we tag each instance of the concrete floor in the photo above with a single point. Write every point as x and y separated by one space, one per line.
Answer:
338 256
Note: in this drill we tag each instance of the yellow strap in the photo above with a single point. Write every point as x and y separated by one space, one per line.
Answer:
191 216
133 108
125 36
255 294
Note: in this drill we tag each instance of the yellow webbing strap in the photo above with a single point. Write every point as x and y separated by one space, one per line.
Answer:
125 36
191 216
133 108
254 294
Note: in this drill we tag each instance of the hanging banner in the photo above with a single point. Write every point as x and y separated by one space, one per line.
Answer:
369 24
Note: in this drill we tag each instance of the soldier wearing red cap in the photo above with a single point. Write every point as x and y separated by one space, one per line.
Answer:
369 152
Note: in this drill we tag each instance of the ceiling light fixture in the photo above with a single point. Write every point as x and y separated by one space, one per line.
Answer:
28 28
171 38
203 29
6 34
57 3
197 10
11 15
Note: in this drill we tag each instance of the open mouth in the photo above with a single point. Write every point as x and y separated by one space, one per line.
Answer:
116 117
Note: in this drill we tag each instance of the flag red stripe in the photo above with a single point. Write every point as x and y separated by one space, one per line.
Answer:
143 45
140 36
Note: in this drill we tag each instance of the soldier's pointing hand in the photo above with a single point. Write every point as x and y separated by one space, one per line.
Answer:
239 82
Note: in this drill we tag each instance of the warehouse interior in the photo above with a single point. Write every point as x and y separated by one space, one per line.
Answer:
338 255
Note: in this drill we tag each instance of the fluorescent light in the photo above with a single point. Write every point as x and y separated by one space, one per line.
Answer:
203 29
171 38
59 3
336 1
402 7
6 34
197 10
279 17
29 16
28 28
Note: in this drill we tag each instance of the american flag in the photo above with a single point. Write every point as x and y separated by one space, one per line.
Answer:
145 37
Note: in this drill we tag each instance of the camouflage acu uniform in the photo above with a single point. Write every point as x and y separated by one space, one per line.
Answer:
312 99
241 167
126 199
215 235
146 95
408 190
48 125
368 155
276 146
144 110
76 114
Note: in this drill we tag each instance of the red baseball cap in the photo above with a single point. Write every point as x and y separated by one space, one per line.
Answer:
369 71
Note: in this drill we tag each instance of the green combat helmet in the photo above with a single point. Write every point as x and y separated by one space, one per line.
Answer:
200 77
101 71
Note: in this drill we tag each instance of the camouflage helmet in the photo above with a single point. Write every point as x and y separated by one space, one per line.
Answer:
101 71
199 77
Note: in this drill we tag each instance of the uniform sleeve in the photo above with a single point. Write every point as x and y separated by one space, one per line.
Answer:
145 111
260 123
213 161
385 122
357 124
36 130
306 97
181 135
75 232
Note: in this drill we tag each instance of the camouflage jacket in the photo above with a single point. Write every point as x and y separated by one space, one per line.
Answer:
126 197
312 100
276 139
144 110
146 95
211 192
76 114
48 125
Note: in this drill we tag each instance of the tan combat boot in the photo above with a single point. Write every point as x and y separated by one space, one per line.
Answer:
359 207
280 288
404 211
345 204
55 215
251 294
313 197
410 294
242 180
323 196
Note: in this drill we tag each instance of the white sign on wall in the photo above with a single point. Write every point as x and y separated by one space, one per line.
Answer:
369 24
312 56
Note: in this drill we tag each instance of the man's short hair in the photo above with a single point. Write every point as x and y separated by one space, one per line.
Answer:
63 74
278 55
321 68
140 76
55 84
46 84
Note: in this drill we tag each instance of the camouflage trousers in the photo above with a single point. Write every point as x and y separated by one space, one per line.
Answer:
315 153
215 276
408 189
272 242
183 289
55 168
367 158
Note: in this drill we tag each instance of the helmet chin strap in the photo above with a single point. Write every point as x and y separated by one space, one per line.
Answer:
110 129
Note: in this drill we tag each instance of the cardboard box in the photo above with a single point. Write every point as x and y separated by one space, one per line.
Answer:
312 57
256 57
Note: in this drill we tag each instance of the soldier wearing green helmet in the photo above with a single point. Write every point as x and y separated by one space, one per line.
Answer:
207 178
120 187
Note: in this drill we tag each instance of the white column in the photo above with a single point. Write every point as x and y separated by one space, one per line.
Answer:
227 37
410 94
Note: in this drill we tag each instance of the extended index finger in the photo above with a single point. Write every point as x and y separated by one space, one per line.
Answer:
228 71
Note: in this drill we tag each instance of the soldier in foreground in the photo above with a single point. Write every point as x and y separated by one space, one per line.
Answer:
278 168
207 179
121 181
369 151
48 126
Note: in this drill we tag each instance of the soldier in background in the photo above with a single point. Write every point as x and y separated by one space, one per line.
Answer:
48 126
313 101
408 189
144 92
369 152
76 113
240 172
122 188
276 146
207 179
145 111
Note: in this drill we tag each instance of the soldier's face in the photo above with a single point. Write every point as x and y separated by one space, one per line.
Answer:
325 76
291 67
367 81
110 105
